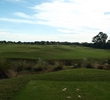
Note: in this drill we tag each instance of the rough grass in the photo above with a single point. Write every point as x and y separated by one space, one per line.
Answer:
90 84
51 52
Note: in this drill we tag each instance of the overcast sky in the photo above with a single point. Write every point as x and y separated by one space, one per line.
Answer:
53 20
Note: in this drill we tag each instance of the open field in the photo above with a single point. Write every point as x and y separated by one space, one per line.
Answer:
77 84
51 52
72 83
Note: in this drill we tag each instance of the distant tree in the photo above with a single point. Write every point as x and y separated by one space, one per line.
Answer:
3 42
19 42
100 40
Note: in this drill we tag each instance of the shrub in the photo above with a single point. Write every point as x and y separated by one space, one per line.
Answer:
108 66
100 67
58 66
88 63
77 65
108 60
29 66
10 73
37 69
19 65
4 64
6 69
41 66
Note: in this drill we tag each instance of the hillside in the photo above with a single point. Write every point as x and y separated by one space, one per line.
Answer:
51 52
85 84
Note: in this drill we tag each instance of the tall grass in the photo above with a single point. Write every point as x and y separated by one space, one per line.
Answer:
9 67
58 65
40 66
6 69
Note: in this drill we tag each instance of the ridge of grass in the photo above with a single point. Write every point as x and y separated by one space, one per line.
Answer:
99 80
59 90
51 52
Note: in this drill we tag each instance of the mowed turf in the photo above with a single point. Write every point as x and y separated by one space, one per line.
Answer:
77 84
52 90
51 52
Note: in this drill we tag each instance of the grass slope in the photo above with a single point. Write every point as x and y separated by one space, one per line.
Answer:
58 90
51 52
85 84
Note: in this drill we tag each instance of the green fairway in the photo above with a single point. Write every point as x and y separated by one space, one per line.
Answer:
85 84
58 90
51 52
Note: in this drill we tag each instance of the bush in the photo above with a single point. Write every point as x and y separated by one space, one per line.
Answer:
6 69
108 66
38 69
4 64
41 66
88 63
58 66
29 66
100 67
19 65
77 65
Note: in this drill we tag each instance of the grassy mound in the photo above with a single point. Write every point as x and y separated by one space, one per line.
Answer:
85 84
51 52
59 90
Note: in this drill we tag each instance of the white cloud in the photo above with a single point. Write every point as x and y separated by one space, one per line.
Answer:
69 14
28 37
18 20
74 15
16 0
65 30
20 14
3 33
77 37
75 20
19 36
9 36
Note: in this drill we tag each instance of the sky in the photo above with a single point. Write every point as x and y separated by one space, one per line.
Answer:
53 20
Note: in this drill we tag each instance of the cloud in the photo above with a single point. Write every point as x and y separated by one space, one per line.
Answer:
20 14
10 36
16 1
68 14
17 20
3 33
75 20
77 37
65 30
74 14
106 13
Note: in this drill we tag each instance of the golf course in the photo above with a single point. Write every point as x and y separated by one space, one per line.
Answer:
65 83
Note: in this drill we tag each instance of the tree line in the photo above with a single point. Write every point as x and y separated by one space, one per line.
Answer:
41 42
98 41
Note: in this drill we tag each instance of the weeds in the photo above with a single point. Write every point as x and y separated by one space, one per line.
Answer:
58 66
8 68
19 65
41 66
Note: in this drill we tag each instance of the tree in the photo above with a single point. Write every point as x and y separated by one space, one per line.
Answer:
100 38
